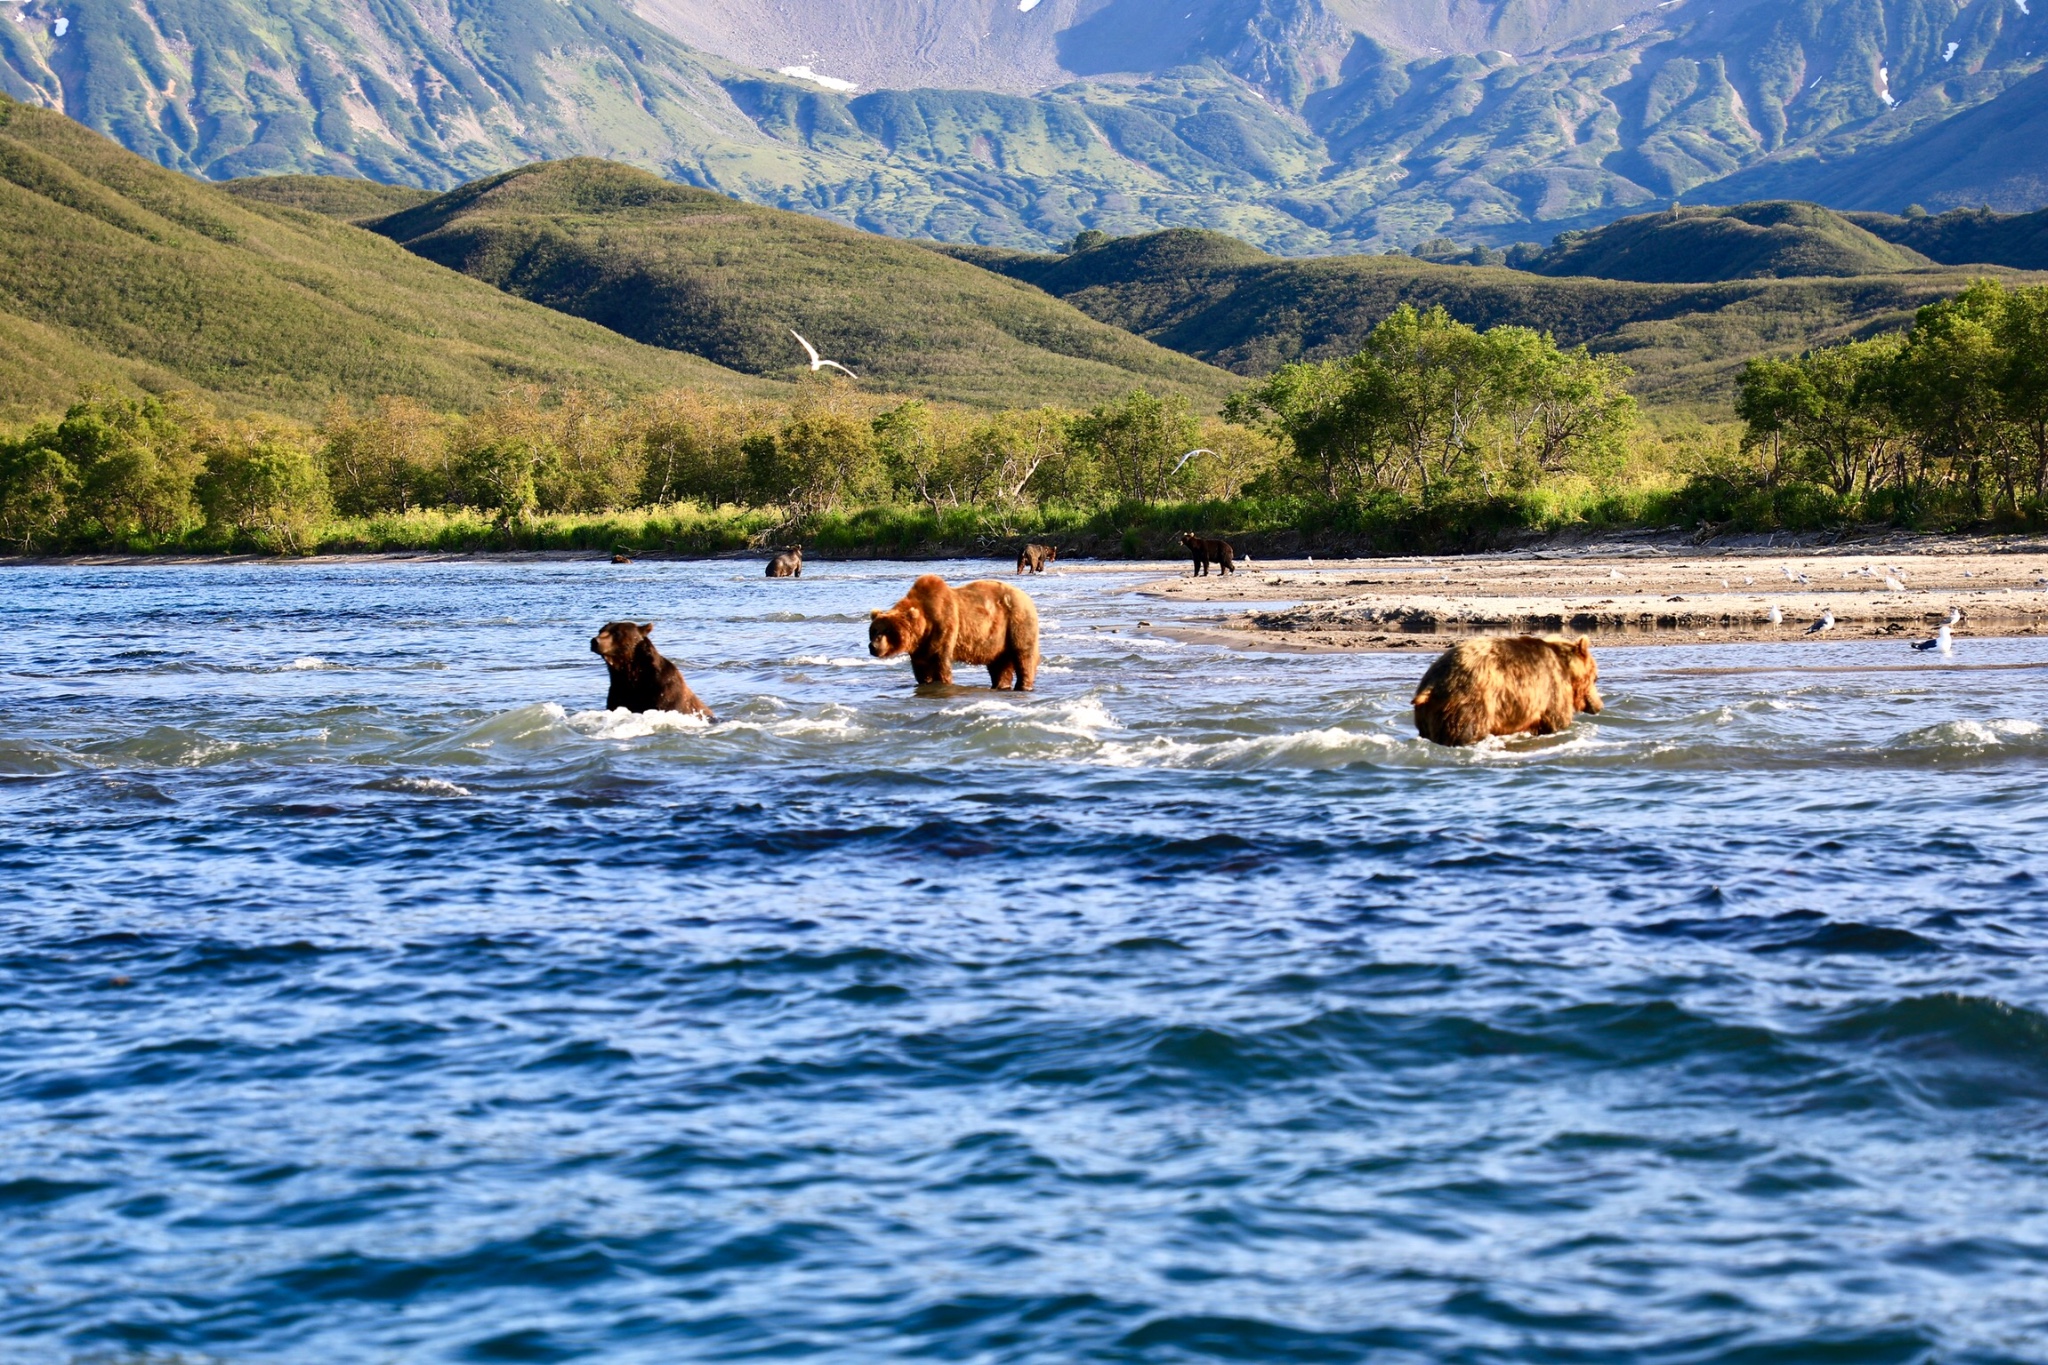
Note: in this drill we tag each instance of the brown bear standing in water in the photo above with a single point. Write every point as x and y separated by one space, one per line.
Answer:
788 564
1036 557
642 680
1204 551
1517 686
985 622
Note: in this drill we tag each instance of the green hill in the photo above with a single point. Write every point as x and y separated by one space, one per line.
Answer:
1748 241
330 196
1238 307
694 271
1967 236
113 269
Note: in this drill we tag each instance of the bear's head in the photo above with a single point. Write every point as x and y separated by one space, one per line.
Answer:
1583 672
894 632
1188 539
620 641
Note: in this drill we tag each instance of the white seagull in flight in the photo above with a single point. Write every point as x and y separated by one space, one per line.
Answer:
1198 450
818 362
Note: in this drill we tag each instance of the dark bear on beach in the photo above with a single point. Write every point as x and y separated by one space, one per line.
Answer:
1036 557
787 564
1517 686
642 680
1205 551
985 622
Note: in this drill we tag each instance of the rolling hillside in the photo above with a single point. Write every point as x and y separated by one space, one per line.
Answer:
116 270
1237 307
694 271
1967 236
1302 125
1748 241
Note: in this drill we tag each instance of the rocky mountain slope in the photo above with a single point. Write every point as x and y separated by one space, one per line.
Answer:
1303 125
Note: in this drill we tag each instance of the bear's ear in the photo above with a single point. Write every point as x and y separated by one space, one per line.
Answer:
874 616
1583 648
647 627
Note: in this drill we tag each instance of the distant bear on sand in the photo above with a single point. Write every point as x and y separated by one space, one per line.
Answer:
787 564
1205 551
1516 686
642 680
1036 557
985 622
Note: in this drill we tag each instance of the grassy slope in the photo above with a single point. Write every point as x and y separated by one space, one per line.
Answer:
1749 241
330 196
1967 236
692 270
112 268
1234 305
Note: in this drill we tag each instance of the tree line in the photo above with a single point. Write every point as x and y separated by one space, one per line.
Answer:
1944 424
1431 414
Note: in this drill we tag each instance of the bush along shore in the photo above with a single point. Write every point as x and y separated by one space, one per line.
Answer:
1435 437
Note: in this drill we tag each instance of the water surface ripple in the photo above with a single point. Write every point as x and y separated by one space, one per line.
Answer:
371 995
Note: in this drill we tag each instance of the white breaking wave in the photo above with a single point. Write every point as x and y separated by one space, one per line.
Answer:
1972 734
624 724
1083 718
424 786
305 662
837 661
1326 748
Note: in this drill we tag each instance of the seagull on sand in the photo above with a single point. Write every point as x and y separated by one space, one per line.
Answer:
1777 617
1943 640
1826 622
1893 585
818 362
1198 450
1955 616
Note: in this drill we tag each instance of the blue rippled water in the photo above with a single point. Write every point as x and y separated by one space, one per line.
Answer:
371 996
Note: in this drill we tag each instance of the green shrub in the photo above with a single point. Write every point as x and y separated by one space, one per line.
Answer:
263 488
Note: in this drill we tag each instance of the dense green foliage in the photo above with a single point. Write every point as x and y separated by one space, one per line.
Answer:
113 270
1966 236
1432 410
1947 425
1748 241
694 271
1232 304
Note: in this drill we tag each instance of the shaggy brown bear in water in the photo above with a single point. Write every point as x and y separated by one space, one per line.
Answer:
1036 557
1517 686
985 622
1205 551
642 680
788 564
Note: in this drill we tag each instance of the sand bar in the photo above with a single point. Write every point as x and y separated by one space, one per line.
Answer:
1637 597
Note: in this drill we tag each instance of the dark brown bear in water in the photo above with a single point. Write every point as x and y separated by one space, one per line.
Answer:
1516 686
985 622
1036 557
788 564
1204 551
642 680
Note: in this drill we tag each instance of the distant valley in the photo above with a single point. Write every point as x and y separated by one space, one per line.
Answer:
1302 126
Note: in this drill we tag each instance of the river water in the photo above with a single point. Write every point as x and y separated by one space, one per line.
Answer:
372 996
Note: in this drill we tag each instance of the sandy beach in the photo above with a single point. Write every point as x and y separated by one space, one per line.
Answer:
1640 596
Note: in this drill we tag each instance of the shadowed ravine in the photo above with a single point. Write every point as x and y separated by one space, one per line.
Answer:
372 997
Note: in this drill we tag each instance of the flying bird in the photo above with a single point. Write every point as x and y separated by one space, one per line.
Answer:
818 362
1893 585
1826 622
1198 450
1943 640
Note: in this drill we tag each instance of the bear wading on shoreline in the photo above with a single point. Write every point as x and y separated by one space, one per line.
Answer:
642 680
985 622
1506 686
1034 558
788 563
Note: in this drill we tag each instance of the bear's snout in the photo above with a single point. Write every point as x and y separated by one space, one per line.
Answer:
597 644
1591 706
